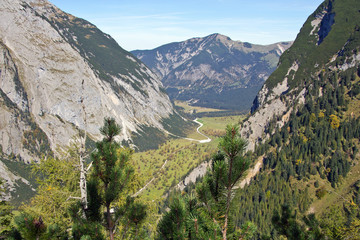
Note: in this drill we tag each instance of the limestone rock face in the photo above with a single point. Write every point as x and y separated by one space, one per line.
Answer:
60 74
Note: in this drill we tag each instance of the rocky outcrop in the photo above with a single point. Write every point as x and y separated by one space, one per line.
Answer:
46 75
196 173
53 66
327 20
214 71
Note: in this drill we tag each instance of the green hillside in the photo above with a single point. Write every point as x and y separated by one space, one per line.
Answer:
311 163
309 52
310 156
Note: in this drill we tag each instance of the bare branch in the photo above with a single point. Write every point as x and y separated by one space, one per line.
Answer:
71 197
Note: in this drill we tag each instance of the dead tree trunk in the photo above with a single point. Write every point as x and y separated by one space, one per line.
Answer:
83 190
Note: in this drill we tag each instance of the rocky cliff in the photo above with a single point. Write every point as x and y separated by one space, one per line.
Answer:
213 71
60 75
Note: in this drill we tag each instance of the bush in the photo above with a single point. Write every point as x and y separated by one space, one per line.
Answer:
320 193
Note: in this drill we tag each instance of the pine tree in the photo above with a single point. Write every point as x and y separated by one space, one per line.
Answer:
112 171
134 214
30 227
172 225
285 223
185 220
5 215
228 166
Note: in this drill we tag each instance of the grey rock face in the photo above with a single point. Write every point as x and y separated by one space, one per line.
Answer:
51 62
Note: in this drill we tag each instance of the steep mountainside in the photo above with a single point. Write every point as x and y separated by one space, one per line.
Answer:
305 129
60 75
326 45
213 71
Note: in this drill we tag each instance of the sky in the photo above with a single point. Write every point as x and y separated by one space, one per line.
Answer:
147 24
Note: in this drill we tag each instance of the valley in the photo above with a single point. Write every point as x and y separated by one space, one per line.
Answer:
163 168
207 138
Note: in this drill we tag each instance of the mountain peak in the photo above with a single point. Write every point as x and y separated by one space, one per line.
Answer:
218 36
212 70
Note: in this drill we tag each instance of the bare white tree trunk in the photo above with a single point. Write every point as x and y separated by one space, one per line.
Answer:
83 190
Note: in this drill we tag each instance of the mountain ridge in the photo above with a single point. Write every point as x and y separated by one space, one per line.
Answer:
289 82
210 71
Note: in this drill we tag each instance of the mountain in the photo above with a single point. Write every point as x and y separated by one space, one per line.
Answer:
60 76
213 71
304 130
326 45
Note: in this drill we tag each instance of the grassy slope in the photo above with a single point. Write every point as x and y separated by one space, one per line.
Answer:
190 109
338 196
215 126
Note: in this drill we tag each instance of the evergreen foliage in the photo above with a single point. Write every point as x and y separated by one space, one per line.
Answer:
320 140
342 222
134 214
185 220
172 224
209 211
56 208
88 228
58 185
286 224
30 227
228 166
6 215
112 173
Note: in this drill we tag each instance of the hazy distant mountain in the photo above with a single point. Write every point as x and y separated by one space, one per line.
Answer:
213 71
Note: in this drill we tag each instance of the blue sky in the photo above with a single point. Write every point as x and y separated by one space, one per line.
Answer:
147 24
